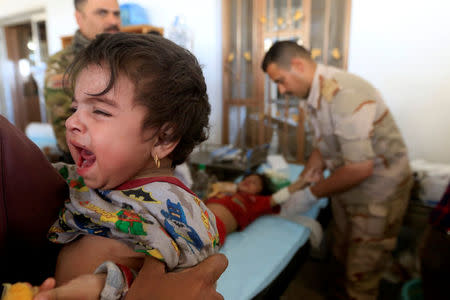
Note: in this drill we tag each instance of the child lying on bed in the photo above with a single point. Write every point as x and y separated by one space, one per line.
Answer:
237 205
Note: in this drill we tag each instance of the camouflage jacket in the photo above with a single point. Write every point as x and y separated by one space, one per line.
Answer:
58 99
352 124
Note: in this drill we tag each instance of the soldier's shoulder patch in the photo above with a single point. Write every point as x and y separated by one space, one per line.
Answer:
329 87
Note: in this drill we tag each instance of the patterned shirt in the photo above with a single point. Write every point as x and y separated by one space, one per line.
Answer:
158 216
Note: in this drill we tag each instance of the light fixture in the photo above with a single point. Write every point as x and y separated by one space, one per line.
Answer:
24 67
31 45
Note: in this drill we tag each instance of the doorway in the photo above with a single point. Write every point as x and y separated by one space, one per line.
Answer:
23 69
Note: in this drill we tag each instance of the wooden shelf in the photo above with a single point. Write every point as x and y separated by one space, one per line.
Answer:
252 106
67 40
142 29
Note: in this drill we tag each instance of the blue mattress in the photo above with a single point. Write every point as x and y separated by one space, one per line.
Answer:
258 254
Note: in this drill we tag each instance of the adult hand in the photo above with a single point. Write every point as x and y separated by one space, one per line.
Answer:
198 282
306 178
194 283
312 175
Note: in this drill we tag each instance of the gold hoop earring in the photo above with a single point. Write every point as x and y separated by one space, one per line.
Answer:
157 161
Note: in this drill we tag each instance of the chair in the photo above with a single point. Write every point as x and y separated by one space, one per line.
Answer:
31 194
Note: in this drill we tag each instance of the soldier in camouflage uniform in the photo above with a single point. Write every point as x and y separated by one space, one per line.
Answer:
57 99
356 138
93 17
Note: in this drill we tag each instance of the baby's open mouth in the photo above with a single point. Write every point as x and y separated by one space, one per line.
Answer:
87 158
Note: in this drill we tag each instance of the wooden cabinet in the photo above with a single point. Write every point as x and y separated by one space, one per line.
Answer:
66 40
254 112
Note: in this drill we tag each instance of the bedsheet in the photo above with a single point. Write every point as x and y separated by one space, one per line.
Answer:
258 254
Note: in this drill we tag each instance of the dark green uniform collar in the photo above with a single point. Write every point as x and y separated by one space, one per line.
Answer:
79 41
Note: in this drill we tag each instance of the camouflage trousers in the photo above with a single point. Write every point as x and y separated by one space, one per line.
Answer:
363 237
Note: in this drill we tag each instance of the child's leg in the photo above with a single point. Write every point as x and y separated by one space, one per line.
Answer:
109 281
87 287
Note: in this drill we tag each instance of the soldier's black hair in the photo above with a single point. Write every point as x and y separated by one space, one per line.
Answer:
282 53
167 79
78 3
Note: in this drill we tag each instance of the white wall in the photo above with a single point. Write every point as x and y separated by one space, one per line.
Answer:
10 8
60 22
204 18
403 48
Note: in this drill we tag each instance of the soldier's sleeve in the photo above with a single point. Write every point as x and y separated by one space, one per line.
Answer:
57 100
353 117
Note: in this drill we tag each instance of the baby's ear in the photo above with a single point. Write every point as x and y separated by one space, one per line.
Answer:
164 144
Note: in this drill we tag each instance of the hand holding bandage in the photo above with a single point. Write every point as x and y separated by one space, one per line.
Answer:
304 180
298 202
313 175
301 200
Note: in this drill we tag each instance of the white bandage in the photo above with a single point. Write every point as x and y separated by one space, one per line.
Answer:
281 196
299 202
309 195
316 235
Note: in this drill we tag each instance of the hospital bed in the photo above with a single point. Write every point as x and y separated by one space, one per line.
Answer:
264 256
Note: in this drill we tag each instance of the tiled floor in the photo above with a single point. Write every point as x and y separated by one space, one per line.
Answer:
310 283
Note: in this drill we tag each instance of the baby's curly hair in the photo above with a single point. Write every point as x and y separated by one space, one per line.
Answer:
168 81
